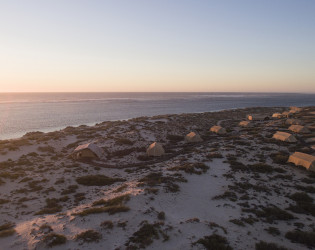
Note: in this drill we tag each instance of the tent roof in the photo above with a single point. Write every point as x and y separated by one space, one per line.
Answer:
91 146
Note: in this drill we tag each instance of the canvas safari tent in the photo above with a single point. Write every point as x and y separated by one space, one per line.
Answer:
277 115
286 114
302 159
283 136
299 129
155 149
258 117
218 129
88 150
193 137
295 109
244 124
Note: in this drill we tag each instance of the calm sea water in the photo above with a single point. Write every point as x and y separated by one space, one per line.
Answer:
25 112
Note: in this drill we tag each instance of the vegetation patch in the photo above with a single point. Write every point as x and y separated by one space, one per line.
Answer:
7 229
174 138
52 206
270 214
262 245
273 231
110 209
305 238
214 242
111 206
119 200
226 195
145 236
54 239
214 155
304 203
261 168
191 168
279 158
97 180
89 236
238 222
124 141
155 179
107 224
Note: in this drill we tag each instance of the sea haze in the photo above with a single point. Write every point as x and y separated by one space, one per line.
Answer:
25 112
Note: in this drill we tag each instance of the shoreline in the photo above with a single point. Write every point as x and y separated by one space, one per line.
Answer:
55 129
236 185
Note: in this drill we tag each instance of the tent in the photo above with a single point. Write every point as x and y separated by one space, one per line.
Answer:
295 109
258 117
299 129
88 150
155 149
283 136
305 160
286 114
218 129
193 137
294 122
277 115
244 124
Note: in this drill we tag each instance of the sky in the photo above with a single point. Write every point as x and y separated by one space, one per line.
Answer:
157 45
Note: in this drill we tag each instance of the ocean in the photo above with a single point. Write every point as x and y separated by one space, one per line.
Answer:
25 112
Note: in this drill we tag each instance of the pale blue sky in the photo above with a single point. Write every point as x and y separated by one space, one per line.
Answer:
179 45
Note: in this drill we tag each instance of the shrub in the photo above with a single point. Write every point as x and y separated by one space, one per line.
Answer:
214 242
110 209
226 195
214 155
124 141
191 168
97 180
54 239
301 197
238 222
306 238
51 207
70 189
271 213
107 224
304 203
261 168
143 157
3 201
161 216
174 138
268 246
145 235
7 229
273 231
119 200
279 158
46 149
89 236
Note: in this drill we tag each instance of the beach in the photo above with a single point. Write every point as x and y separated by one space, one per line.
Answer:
234 188
21 113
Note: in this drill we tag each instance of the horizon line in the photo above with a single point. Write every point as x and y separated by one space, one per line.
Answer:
262 92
